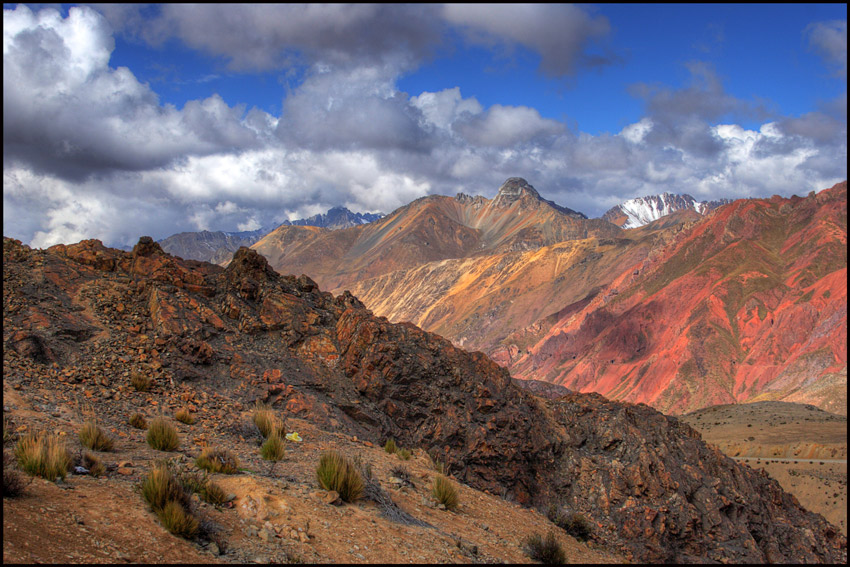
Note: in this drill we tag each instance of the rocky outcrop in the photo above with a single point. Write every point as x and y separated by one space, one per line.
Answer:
648 483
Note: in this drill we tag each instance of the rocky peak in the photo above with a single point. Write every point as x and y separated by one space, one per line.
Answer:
147 247
517 189
514 189
249 263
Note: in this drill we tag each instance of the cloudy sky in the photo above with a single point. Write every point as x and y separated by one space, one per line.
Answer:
122 121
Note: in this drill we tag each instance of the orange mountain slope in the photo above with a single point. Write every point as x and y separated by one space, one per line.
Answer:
748 304
429 229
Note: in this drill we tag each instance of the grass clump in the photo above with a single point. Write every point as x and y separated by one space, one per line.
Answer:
161 486
218 461
93 437
93 464
162 436
177 520
444 492
545 550
403 454
267 422
337 473
140 382
273 448
390 446
183 416
43 455
573 523
201 483
168 494
138 421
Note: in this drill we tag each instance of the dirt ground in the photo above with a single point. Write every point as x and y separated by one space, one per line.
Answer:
277 514
793 434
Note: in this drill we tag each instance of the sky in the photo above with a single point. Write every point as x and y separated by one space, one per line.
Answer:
128 120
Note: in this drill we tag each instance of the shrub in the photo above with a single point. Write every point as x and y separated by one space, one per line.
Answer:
335 472
573 523
177 520
93 464
138 421
266 421
13 481
92 437
390 446
578 526
545 550
218 461
272 448
162 436
444 492
43 455
140 382
183 416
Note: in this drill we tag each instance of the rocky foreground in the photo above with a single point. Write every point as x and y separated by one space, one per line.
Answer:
84 315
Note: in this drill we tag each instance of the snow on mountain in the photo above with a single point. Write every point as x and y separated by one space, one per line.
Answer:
643 210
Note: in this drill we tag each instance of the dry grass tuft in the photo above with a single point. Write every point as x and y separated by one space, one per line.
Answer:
218 461
444 492
138 421
43 455
162 436
335 472
93 437
140 382
266 421
93 464
183 416
390 446
273 448
177 520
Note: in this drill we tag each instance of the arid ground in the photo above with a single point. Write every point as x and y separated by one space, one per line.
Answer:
802 447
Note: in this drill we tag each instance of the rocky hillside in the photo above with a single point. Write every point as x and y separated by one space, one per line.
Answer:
77 318
748 304
643 210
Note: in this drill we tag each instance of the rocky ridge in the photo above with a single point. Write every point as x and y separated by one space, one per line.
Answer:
80 315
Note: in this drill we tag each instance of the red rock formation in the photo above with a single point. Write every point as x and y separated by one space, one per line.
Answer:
749 304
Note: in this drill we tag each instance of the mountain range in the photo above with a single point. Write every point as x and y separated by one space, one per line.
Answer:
741 302
79 319
218 246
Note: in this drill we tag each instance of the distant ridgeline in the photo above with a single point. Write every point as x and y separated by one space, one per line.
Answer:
217 247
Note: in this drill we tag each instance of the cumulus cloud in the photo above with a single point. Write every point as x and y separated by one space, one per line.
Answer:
67 112
562 34
505 126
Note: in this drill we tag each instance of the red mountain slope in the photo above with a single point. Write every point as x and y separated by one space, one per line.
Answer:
748 304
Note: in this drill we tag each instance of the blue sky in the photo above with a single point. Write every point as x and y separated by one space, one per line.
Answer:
126 120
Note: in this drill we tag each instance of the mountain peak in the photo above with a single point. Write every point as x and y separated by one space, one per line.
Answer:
518 189
514 188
